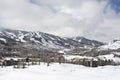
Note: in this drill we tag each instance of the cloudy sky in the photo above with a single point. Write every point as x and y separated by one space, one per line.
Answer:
94 19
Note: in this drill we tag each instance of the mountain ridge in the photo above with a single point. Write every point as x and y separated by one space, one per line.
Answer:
9 36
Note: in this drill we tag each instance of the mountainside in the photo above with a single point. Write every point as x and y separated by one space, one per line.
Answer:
88 41
26 43
12 37
111 49
112 45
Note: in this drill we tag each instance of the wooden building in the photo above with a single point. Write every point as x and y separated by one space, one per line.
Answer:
10 61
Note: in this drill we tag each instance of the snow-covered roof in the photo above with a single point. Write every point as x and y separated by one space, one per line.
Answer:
70 57
9 58
62 52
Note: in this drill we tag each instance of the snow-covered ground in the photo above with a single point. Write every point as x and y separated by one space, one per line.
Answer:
60 72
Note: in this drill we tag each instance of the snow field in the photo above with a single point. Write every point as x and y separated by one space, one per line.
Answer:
60 72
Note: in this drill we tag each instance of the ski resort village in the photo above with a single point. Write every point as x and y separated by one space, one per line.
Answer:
59 39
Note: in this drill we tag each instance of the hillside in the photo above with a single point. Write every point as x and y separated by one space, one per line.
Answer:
8 36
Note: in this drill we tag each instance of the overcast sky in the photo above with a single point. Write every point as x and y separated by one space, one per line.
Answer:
94 19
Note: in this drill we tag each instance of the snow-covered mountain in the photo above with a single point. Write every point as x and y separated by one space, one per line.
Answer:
112 45
10 37
88 41
111 49
17 42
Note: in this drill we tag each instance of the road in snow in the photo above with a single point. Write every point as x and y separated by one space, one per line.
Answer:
60 72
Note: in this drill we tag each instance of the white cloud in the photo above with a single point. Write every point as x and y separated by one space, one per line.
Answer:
62 17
